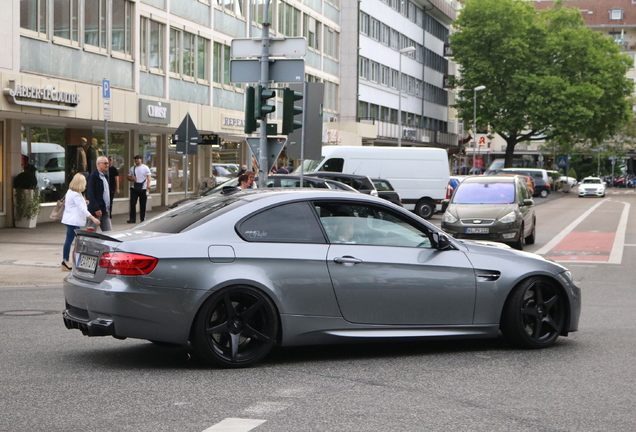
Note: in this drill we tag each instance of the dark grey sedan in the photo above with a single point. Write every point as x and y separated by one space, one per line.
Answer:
236 274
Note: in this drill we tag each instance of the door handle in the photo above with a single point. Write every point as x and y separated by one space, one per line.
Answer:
347 260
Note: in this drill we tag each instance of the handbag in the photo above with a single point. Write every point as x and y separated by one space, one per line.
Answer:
138 187
58 211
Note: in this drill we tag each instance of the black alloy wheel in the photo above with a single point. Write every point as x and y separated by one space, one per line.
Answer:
534 315
235 327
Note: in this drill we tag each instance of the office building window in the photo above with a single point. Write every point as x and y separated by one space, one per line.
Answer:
66 20
332 40
151 44
233 6
311 31
288 19
121 30
33 16
616 14
364 68
221 67
188 55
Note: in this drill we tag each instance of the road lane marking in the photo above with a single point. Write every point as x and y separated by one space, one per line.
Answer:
557 239
235 425
593 246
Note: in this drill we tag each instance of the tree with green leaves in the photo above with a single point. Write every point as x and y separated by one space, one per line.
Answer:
546 74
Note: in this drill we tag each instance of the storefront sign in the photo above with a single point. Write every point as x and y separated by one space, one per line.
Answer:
151 111
47 97
238 122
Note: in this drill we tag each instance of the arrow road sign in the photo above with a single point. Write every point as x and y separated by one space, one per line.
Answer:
278 47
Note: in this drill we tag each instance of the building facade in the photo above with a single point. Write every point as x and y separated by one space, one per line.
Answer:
396 49
163 59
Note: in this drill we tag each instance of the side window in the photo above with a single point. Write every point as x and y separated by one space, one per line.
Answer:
289 223
333 165
364 224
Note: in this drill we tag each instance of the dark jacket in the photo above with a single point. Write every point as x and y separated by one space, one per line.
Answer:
95 193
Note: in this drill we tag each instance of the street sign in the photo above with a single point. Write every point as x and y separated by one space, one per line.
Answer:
278 47
562 162
274 147
186 137
106 98
280 70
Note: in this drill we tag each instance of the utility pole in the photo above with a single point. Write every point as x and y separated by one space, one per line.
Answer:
264 81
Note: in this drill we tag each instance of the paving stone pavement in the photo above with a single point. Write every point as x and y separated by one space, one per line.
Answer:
33 256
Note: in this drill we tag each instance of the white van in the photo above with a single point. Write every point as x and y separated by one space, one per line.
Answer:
418 174
49 160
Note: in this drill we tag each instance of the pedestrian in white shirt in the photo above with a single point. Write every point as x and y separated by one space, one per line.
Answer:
139 174
75 214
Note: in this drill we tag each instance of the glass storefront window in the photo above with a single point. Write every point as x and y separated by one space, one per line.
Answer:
176 177
148 151
45 148
117 148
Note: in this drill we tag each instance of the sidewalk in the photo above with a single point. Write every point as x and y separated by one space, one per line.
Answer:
32 257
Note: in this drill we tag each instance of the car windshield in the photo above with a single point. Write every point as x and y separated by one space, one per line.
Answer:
192 214
485 193
592 181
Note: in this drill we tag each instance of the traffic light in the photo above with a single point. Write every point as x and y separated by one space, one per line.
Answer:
290 111
262 108
250 120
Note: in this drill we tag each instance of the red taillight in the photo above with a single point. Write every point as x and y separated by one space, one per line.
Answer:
127 264
449 191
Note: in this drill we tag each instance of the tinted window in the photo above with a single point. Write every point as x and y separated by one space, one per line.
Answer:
289 223
382 185
485 193
191 214
364 224
333 165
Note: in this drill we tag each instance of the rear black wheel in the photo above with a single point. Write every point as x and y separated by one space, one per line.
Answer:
425 209
534 315
235 327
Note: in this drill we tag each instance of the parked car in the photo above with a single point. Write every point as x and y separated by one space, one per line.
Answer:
495 208
540 177
569 180
216 273
591 186
359 182
386 191
453 182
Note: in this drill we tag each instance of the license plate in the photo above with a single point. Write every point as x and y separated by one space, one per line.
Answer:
87 262
476 230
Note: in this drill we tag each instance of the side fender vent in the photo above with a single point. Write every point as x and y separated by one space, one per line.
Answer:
487 275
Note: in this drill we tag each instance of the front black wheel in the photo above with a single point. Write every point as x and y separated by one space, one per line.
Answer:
534 315
235 327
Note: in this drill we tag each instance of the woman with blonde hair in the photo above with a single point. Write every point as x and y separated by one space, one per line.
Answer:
75 214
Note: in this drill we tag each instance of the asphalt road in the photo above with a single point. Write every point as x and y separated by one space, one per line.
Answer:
54 379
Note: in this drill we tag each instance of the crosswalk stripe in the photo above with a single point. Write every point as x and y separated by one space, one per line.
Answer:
235 425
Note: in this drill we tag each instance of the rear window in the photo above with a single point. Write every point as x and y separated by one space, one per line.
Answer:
192 214
485 193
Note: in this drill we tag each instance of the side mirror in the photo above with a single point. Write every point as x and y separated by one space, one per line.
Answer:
442 242
527 202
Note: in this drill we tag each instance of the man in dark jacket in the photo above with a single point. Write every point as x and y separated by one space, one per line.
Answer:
98 195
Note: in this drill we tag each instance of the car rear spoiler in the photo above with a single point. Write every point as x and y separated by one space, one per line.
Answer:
94 234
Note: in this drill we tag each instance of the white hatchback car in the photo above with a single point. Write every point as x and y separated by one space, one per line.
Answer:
592 186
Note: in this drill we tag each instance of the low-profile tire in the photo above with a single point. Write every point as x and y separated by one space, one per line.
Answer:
236 327
425 209
544 193
534 314
533 235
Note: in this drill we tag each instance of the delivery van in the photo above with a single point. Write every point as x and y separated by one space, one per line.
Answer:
418 174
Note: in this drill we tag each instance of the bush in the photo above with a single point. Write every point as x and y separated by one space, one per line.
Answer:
572 173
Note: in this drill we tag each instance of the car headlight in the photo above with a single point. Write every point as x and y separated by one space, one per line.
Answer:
449 218
509 218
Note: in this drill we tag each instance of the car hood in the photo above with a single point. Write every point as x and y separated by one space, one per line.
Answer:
480 211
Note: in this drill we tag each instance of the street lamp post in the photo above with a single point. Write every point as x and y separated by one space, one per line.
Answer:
475 90
403 51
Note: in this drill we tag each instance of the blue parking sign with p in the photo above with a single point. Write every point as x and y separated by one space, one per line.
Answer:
106 89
